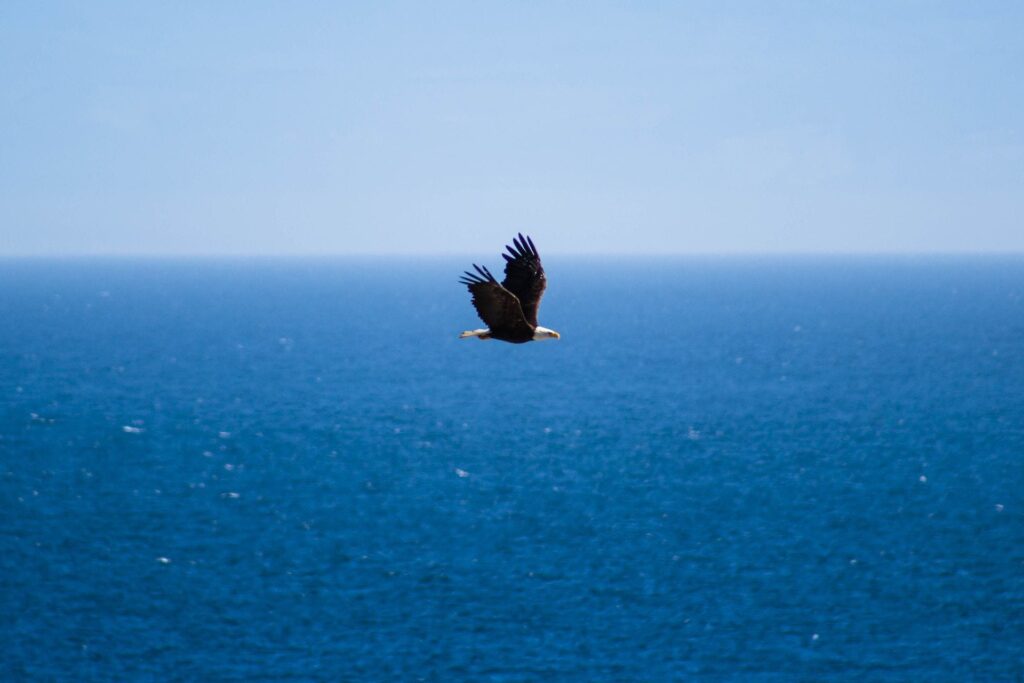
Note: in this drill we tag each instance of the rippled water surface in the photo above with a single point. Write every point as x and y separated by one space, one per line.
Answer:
779 469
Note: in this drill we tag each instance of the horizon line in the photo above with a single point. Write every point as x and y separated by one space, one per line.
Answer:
204 256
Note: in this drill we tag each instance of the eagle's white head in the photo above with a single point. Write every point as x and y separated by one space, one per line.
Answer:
541 333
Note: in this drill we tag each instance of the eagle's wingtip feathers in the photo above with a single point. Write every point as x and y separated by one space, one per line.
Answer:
524 246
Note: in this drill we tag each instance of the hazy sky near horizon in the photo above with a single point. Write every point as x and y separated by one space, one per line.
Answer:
405 127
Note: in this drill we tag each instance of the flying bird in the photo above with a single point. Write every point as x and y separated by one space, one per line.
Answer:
510 308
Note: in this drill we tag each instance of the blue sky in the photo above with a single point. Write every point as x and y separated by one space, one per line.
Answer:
332 128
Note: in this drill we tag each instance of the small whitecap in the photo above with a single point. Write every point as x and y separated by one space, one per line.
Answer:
163 560
692 434
923 479
999 507
128 429
224 435
461 473
814 636
229 467
231 494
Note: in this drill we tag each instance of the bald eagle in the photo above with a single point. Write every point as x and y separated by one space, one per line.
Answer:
510 308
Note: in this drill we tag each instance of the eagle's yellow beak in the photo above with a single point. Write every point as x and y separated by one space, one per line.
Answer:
555 335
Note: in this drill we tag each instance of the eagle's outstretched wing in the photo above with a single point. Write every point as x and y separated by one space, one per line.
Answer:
524 276
497 307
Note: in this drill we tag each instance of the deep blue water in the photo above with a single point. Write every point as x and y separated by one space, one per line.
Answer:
726 469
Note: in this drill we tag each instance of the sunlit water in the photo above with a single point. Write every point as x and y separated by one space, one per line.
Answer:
781 469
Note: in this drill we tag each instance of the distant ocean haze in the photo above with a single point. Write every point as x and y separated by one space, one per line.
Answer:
771 468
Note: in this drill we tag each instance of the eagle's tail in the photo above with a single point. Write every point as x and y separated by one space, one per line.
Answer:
482 334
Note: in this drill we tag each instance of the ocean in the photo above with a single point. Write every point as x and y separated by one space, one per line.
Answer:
729 468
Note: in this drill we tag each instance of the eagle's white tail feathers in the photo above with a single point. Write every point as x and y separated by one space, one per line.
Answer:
482 334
